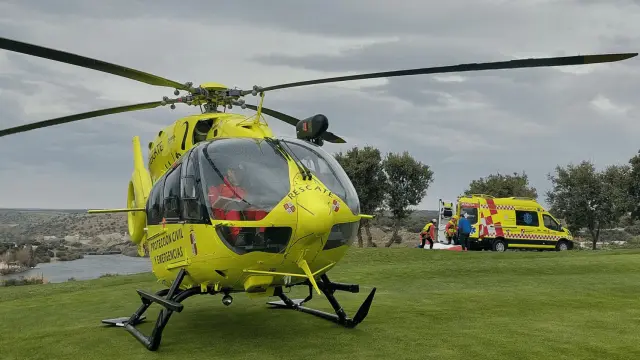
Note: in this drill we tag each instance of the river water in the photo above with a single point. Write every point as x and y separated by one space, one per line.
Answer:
90 267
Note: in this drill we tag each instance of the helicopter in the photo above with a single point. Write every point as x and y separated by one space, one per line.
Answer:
223 206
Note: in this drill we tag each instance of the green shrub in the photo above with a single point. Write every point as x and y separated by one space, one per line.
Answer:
614 235
633 230
23 281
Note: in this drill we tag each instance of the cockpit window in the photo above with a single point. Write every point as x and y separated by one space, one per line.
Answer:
243 178
327 169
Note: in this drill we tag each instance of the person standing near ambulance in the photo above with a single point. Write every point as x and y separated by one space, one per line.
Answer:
464 229
428 233
450 230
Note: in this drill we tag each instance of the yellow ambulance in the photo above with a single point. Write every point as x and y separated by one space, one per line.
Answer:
499 224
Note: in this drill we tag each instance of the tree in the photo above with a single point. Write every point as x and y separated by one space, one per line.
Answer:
24 257
616 181
408 183
586 198
364 168
499 185
634 187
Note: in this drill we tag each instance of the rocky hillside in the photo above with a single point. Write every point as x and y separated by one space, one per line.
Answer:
96 233
108 232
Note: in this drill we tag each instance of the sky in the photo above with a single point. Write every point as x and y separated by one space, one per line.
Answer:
464 126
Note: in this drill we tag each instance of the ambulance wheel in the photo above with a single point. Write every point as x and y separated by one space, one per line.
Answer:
562 245
499 245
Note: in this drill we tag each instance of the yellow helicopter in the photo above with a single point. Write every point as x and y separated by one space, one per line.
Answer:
224 206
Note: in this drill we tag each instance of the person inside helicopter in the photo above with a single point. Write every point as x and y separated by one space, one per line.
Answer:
226 200
243 179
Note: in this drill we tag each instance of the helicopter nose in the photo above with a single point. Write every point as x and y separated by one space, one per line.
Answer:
315 216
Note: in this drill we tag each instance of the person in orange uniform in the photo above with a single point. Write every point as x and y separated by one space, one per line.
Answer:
428 233
231 188
451 230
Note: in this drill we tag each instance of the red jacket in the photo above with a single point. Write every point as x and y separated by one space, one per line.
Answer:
234 192
450 229
432 232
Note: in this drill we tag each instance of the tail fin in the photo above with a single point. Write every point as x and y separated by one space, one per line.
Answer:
139 189
137 194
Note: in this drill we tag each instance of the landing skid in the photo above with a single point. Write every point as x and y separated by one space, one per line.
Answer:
121 321
170 299
328 288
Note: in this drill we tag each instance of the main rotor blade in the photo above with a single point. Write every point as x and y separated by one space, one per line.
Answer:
76 117
276 114
332 138
326 136
511 64
89 63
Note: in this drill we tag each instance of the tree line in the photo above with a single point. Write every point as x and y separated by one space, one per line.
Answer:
394 183
582 196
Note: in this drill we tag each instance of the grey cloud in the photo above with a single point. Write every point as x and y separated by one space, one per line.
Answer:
99 145
352 18
341 18
540 94
403 54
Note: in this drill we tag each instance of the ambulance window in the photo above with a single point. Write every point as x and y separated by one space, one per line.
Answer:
472 213
527 218
550 223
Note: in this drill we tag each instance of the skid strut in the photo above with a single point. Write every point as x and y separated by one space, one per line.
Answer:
170 299
328 288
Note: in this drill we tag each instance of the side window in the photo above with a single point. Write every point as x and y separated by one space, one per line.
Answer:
172 194
193 205
527 218
154 204
550 223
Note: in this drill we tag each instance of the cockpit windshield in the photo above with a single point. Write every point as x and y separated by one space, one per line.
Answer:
243 178
327 169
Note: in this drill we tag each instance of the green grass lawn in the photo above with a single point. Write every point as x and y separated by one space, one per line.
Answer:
429 304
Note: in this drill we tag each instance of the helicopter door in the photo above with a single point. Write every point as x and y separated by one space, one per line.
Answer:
192 201
168 243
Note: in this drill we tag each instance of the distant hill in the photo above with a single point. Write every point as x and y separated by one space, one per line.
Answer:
30 223
110 231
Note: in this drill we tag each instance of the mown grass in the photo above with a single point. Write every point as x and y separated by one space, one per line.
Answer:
429 305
